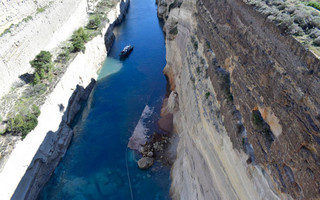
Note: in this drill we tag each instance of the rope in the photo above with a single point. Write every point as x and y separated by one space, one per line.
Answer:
128 173
126 152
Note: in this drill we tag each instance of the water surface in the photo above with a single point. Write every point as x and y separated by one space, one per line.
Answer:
96 163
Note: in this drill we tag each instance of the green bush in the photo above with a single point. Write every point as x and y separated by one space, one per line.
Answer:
80 33
23 124
78 44
42 65
315 22
36 79
316 42
207 95
314 33
35 110
79 38
302 17
7 30
26 19
257 119
295 29
316 5
286 22
94 23
35 90
40 10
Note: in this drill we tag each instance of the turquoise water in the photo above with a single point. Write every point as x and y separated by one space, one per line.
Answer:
94 166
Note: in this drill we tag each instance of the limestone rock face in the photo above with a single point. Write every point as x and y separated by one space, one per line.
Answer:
173 102
118 16
145 162
248 117
38 163
32 30
51 150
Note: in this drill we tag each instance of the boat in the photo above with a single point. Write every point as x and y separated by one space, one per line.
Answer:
126 51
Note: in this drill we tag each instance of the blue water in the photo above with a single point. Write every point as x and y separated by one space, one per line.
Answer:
94 166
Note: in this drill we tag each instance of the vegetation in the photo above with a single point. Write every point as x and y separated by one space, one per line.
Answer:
316 5
26 19
23 123
94 23
7 30
225 84
262 126
40 10
34 90
174 30
79 38
198 70
316 42
207 95
43 66
295 18
208 44
257 119
21 113
194 42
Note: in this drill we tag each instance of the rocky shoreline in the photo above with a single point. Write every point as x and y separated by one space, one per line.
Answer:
162 146
54 144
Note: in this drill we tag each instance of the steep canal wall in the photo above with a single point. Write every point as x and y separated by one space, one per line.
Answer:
33 164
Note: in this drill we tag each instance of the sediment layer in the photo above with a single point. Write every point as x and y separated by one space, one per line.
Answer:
248 104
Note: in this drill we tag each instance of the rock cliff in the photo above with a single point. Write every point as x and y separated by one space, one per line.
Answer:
248 117
27 27
54 136
52 149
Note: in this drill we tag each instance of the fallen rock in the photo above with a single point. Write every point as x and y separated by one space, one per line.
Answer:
145 162
150 154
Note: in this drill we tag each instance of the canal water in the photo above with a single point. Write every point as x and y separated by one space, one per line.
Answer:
98 164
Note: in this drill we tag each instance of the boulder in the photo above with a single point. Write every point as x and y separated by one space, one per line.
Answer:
145 162
150 154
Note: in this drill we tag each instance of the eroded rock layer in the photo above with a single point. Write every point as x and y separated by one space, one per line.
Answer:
52 149
248 97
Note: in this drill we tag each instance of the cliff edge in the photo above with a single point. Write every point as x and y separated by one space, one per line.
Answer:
248 117
42 149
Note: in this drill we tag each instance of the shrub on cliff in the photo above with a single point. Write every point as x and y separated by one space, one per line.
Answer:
79 38
24 123
36 79
78 44
42 65
316 5
302 17
94 23
316 42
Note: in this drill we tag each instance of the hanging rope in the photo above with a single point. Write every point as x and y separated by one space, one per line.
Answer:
126 152
128 173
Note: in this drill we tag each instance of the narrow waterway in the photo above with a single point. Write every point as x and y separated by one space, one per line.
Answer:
95 164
